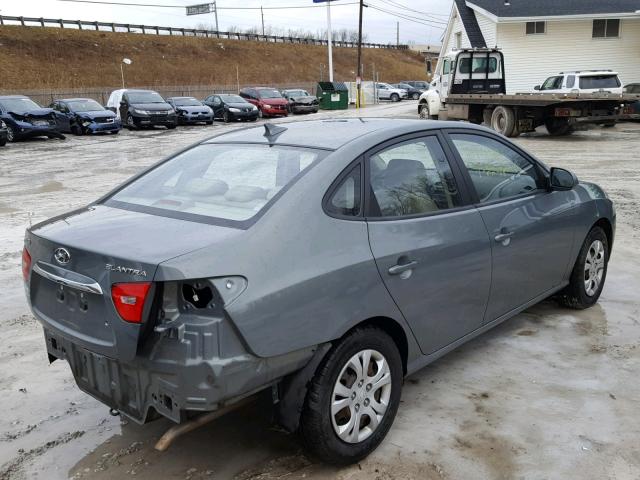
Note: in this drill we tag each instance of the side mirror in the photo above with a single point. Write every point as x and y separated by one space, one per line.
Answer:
537 87
561 179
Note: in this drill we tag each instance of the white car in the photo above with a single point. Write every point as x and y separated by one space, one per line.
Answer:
387 92
585 81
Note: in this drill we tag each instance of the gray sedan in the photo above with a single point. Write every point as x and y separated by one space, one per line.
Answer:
322 261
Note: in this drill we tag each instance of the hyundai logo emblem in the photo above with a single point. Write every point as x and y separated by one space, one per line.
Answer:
62 256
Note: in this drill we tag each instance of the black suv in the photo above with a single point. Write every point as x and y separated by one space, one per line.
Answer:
142 108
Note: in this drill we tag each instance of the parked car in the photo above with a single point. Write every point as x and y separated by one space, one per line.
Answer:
201 304
84 115
412 92
635 108
387 92
419 84
3 134
230 108
269 101
24 119
191 110
585 81
142 108
300 101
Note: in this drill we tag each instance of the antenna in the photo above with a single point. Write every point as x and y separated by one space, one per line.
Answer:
271 131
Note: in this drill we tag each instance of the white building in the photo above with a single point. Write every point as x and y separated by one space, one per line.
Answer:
540 38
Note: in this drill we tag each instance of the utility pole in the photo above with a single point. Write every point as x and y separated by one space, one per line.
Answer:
215 10
397 34
329 40
262 13
359 79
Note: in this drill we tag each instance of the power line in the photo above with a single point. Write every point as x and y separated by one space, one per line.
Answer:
105 2
427 23
433 16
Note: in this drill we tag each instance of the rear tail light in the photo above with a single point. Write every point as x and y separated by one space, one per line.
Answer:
129 299
26 264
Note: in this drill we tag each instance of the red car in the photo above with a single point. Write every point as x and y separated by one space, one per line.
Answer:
269 101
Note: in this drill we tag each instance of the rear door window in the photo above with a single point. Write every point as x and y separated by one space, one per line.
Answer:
411 178
599 81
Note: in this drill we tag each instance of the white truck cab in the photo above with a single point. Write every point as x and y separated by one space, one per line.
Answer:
583 81
465 71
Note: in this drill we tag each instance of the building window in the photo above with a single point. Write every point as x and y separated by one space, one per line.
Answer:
606 28
536 28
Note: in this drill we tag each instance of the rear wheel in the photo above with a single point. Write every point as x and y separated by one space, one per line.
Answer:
558 127
415 96
503 120
589 272
353 398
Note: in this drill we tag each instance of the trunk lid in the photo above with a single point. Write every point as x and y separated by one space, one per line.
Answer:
77 258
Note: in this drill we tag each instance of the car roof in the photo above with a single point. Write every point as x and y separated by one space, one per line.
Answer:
2 97
332 134
73 99
589 72
178 98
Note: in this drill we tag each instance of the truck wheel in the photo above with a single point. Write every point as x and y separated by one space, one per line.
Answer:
589 272
503 120
353 397
558 127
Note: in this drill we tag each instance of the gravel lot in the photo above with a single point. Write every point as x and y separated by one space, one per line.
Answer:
551 393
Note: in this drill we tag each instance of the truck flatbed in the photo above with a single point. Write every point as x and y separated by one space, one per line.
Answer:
537 99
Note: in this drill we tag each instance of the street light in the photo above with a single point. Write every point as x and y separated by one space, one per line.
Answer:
125 61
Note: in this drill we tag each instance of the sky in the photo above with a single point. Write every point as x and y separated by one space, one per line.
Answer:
379 26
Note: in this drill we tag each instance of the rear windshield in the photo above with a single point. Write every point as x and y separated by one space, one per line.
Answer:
18 105
187 102
599 81
145 97
479 65
268 93
213 181
84 106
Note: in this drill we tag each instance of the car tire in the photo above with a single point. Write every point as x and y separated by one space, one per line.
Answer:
415 96
395 97
254 119
76 130
171 126
260 114
131 124
319 426
558 127
210 122
115 132
503 120
11 136
589 272
225 117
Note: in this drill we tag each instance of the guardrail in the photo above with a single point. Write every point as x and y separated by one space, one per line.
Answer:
158 30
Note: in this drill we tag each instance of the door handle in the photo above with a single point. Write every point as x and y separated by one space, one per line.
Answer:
398 269
504 238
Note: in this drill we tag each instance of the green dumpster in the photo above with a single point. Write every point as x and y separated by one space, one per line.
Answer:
333 95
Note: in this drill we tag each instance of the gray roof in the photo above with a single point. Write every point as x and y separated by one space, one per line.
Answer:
471 26
547 8
332 134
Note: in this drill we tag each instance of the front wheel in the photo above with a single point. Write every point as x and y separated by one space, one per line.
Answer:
225 117
415 96
395 97
11 136
589 272
353 398
131 124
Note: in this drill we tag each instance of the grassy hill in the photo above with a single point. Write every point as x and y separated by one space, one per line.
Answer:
39 58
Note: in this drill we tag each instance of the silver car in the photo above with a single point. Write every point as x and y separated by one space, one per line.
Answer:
320 261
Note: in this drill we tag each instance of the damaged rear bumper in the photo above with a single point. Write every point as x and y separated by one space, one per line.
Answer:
172 377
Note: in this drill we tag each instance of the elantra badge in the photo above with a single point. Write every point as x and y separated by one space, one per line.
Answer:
127 270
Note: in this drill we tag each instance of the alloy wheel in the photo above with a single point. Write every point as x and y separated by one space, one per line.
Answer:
10 135
594 268
361 396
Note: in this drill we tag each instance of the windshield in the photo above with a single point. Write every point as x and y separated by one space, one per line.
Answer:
187 102
269 93
145 97
18 105
297 93
231 182
84 106
552 83
599 81
233 99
